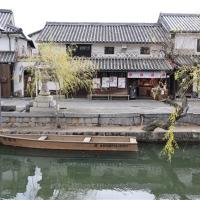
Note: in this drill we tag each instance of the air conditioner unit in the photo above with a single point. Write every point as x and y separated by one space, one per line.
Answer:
124 46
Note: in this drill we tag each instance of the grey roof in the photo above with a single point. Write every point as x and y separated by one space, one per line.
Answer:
6 25
180 22
102 32
187 60
131 64
7 57
34 33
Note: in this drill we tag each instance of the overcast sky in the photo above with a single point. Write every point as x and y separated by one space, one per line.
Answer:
32 15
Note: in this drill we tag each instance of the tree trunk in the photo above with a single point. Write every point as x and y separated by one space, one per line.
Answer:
181 111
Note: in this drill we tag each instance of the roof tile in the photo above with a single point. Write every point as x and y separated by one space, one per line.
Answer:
102 32
128 64
7 57
180 22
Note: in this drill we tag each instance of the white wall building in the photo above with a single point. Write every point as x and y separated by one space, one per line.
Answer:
14 46
184 32
123 52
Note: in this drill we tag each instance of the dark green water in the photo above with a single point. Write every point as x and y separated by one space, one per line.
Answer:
142 175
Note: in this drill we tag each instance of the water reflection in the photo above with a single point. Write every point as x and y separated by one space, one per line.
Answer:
32 187
144 175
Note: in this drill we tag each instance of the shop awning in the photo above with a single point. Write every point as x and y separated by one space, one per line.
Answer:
7 57
132 64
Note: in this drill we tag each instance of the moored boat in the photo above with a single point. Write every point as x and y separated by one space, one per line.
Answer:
71 142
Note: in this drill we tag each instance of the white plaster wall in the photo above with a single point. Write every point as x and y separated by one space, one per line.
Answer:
132 50
17 72
19 45
4 43
22 48
186 43
34 38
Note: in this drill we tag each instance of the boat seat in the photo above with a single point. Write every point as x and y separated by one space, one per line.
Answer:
87 139
43 137
133 141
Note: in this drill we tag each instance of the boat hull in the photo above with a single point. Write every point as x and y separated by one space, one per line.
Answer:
64 144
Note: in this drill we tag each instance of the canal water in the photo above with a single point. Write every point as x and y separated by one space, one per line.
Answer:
36 175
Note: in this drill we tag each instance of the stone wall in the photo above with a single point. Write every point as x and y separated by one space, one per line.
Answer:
67 119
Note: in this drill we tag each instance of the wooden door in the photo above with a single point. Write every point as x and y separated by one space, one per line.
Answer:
5 75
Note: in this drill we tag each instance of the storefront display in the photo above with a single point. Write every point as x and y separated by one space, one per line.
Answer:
105 82
121 82
145 86
113 81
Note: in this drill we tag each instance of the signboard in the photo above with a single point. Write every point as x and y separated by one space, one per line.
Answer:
146 74
121 82
96 83
113 81
105 82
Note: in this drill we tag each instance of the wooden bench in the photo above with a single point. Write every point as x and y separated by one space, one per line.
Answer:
119 96
109 96
99 96
43 137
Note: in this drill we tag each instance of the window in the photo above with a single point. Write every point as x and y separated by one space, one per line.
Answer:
198 45
145 50
109 50
84 48
172 35
81 50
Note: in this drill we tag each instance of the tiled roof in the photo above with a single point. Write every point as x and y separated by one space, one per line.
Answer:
128 64
180 22
102 32
11 28
6 17
187 60
34 33
7 57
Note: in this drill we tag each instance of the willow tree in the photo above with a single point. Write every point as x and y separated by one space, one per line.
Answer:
56 64
187 76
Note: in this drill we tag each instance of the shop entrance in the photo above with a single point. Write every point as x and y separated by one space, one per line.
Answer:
6 80
143 82
145 86
141 88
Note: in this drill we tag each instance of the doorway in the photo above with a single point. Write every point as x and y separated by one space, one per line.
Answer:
5 75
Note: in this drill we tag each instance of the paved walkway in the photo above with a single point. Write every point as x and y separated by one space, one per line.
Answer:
112 107
102 129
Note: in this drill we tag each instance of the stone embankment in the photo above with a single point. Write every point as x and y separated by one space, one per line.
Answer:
16 119
99 124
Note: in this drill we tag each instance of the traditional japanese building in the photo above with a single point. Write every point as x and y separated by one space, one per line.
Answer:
13 46
184 33
128 55
132 55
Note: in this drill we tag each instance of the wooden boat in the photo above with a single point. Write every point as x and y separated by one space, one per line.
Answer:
71 142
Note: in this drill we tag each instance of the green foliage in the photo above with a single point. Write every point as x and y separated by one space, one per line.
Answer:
56 64
171 143
187 76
